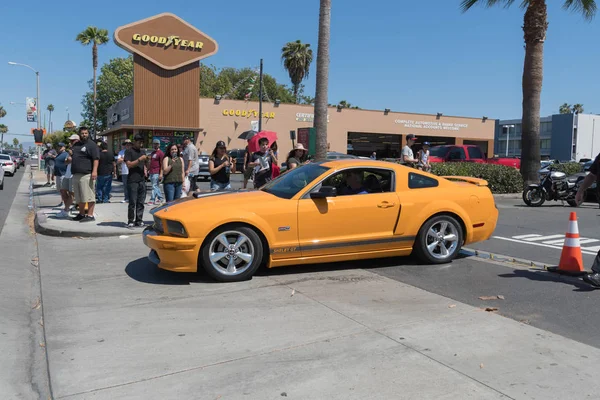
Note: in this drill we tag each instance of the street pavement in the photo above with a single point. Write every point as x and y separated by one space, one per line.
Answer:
11 183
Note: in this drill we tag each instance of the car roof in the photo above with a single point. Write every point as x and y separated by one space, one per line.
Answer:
358 162
5 155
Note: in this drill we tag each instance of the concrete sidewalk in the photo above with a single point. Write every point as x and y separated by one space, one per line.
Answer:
111 218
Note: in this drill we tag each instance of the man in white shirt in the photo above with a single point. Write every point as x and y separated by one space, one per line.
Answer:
126 145
191 163
408 157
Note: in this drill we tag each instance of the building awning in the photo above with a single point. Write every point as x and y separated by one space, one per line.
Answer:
126 127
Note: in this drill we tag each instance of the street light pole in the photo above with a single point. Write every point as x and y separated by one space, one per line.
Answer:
260 96
508 136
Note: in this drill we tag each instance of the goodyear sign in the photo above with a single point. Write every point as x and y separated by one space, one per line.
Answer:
168 41
247 113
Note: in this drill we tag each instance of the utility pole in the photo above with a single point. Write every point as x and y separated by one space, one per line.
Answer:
260 96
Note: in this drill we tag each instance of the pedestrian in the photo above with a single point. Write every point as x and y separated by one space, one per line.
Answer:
275 166
136 182
60 170
592 177
220 167
107 168
156 173
296 157
190 159
423 157
262 162
126 145
85 172
408 157
67 181
374 156
49 155
247 170
173 173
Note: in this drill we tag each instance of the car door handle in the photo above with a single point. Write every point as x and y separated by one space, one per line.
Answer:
385 204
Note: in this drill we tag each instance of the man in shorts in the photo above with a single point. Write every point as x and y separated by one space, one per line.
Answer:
60 170
191 163
84 166
49 155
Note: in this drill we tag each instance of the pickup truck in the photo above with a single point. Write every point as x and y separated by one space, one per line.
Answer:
468 153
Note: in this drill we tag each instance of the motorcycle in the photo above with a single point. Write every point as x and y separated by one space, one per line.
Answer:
554 185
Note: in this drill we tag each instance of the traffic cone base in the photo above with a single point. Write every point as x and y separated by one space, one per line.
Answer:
571 259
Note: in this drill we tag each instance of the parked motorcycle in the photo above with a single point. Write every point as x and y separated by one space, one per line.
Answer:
554 185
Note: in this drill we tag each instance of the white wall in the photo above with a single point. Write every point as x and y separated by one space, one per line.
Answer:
588 136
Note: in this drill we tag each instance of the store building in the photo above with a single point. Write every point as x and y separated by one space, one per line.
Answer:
563 137
166 104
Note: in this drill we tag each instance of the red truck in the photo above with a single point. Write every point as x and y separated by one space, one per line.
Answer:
468 153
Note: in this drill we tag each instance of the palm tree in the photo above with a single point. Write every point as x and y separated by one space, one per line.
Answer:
565 109
578 108
15 142
297 57
96 37
2 112
50 109
535 25
320 112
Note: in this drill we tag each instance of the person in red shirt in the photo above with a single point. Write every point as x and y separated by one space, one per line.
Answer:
156 173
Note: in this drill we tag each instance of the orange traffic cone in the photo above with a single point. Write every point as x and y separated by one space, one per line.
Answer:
571 260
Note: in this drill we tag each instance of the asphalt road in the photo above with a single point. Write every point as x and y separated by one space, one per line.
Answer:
11 183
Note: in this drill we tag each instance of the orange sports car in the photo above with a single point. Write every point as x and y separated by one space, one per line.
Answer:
328 211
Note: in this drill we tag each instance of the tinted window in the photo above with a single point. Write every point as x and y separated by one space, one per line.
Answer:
417 181
474 152
439 151
457 153
372 180
287 185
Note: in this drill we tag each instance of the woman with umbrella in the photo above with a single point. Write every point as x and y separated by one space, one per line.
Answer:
296 157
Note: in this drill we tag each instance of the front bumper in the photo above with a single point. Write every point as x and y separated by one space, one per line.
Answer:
172 253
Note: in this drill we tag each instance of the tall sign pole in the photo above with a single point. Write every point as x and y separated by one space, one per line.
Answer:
260 96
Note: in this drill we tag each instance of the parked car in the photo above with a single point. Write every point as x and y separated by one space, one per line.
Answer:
238 154
310 215
203 173
13 157
1 178
8 164
468 153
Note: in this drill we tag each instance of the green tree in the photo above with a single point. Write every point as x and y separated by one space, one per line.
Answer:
297 57
578 108
57 137
535 26
50 109
94 36
345 104
565 109
2 112
115 82
320 122
15 142
21 147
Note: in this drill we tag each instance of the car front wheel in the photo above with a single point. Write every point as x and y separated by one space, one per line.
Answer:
439 240
232 253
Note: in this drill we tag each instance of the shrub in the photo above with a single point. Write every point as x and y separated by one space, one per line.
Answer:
501 179
569 168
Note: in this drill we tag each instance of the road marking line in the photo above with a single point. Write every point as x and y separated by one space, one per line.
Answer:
526 236
584 251
542 238
561 241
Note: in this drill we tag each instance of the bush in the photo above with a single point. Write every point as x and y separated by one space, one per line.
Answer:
501 179
569 168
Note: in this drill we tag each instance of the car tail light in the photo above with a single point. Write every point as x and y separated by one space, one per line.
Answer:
9 164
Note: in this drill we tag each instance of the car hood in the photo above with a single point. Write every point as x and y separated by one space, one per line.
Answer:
201 202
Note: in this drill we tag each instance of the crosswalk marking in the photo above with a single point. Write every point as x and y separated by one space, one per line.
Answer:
540 238
561 241
552 241
526 236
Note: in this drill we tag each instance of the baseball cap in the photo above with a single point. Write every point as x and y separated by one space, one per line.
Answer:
411 137
48 144
127 141
155 141
186 137
61 144
74 137
221 143
138 137
426 144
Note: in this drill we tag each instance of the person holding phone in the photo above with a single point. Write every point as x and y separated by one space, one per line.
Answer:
136 159
173 172
220 167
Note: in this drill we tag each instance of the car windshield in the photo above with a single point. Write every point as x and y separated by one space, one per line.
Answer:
441 151
290 183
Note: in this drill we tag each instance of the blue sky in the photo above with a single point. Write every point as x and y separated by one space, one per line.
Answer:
414 56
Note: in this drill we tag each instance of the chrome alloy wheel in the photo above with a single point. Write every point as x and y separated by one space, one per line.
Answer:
442 240
231 253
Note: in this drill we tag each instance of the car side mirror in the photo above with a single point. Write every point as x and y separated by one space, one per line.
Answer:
324 192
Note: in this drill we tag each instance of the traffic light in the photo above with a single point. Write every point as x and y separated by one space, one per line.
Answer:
38 135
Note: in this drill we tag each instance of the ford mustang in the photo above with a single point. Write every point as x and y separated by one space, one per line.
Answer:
331 211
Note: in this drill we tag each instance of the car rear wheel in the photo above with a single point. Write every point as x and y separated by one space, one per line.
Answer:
232 253
439 240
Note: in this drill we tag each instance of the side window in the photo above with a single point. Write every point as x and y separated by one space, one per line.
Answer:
474 152
457 153
361 181
417 181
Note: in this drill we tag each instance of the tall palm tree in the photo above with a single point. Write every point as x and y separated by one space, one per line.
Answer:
2 112
565 109
50 109
3 130
297 57
320 112
578 108
96 37
535 26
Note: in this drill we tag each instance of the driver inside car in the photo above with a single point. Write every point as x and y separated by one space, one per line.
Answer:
354 184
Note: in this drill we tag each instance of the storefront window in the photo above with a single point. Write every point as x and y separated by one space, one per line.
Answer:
364 144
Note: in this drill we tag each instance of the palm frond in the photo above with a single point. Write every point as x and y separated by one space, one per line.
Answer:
466 5
586 7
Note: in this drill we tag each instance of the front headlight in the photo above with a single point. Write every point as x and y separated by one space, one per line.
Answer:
158 225
176 228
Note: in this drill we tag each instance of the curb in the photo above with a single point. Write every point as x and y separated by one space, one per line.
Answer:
508 196
41 218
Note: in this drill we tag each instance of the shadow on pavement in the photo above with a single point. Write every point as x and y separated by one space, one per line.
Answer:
539 276
142 270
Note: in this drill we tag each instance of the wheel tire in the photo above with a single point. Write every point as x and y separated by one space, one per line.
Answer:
423 239
572 203
527 198
255 249
2 185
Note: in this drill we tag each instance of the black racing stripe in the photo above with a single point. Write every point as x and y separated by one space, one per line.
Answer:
398 239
